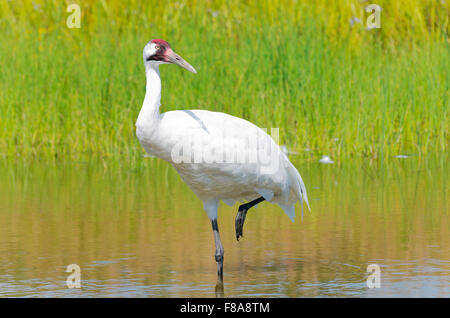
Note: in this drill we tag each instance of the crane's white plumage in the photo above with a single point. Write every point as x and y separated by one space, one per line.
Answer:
186 137
231 178
220 157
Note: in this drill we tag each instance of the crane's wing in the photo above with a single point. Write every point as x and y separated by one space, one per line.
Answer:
225 157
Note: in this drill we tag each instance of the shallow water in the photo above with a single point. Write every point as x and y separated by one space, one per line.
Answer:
140 232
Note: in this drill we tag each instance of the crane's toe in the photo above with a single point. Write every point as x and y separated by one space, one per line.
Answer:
242 213
239 222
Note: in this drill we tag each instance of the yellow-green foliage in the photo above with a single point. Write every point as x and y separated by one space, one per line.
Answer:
401 19
330 86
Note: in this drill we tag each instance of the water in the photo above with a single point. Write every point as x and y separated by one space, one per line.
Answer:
140 232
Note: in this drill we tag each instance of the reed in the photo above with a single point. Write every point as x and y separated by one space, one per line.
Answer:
331 88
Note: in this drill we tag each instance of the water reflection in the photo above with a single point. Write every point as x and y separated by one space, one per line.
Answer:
140 232
220 291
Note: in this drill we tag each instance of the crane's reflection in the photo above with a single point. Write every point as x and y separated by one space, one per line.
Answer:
219 288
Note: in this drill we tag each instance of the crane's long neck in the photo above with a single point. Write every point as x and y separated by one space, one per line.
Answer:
149 113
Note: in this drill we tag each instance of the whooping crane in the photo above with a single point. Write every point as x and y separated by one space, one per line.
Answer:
220 157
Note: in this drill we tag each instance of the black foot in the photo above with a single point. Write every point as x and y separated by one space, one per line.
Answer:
239 222
242 213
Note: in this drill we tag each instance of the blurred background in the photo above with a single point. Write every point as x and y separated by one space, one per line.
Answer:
311 68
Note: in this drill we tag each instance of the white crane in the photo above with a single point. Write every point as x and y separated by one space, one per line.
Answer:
220 157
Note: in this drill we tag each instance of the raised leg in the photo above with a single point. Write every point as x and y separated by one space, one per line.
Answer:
242 213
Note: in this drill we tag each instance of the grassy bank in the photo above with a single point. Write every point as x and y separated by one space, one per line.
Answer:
336 89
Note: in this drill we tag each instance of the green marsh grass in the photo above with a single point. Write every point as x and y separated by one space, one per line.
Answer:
332 88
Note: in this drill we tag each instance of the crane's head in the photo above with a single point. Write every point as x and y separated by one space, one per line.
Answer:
159 52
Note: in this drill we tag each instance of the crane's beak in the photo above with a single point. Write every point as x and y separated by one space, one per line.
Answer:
174 58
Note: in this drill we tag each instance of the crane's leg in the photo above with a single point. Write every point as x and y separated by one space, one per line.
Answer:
219 249
211 207
242 213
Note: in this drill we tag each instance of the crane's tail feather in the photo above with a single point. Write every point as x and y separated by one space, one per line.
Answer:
299 186
289 210
295 185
